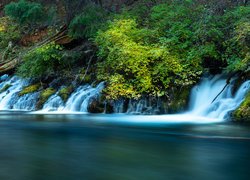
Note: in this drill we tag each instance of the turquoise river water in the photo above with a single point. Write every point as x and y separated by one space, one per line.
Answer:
83 146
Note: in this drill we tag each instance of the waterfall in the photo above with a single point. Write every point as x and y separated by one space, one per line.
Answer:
9 97
54 103
77 102
202 96
201 100
200 105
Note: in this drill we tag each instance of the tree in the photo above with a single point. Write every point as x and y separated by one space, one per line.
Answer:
26 13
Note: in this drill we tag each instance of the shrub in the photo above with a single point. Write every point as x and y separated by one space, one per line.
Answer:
9 32
87 23
42 61
135 65
237 44
25 12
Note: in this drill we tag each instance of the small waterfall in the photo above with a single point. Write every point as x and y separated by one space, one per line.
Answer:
9 97
77 102
26 102
203 94
143 106
54 103
80 100
118 106
201 103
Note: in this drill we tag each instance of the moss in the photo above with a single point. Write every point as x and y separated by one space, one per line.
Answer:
65 92
242 113
30 89
44 96
6 87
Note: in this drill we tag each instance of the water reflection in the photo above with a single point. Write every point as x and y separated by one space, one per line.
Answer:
69 149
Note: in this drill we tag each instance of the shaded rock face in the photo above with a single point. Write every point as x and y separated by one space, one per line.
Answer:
96 106
145 105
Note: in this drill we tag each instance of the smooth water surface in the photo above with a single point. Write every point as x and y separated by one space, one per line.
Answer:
64 147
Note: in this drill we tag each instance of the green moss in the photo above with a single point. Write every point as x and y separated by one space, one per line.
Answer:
44 96
6 87
65 92
243 112
30 89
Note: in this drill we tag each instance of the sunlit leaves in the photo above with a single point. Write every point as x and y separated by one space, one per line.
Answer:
132 65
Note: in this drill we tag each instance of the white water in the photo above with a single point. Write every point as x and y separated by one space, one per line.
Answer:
9 98
201 106
202 96
77 102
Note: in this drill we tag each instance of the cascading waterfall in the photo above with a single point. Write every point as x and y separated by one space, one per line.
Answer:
201 98
9 98
77 102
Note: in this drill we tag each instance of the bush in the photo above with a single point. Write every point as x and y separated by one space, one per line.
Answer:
9 32
42 61
87 24
238 43
134 65
25 12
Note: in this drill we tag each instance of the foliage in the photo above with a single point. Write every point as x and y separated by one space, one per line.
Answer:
9 32
42 61
87 23
243 112
133 66
29 89
25 12
238 44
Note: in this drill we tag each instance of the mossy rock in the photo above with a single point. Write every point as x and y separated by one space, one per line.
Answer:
242 113
65 92
5 88
44 96
30 89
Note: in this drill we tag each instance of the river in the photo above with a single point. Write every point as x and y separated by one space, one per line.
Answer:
85 146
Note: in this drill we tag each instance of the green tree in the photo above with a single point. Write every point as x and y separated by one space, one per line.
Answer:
25 12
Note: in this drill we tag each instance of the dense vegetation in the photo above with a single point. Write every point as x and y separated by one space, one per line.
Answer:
139 48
